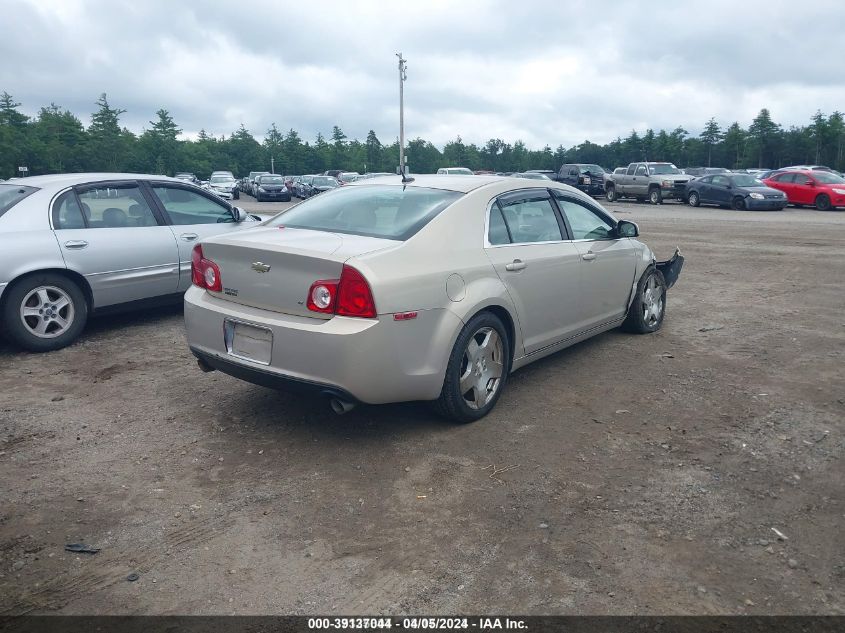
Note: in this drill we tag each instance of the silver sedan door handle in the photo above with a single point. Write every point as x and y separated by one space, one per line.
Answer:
516 265
189 237
588 256
75 244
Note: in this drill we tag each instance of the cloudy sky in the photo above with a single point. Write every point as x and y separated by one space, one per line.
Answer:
544 72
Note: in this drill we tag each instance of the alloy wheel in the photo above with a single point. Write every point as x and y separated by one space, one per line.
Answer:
47 311
482 368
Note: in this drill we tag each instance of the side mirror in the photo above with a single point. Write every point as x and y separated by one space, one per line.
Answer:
239 214
627 229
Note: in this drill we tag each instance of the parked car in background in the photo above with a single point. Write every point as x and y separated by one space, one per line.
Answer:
704 171
455 171
738 191
271 187
289 182
550 174
334 173
222 172
75 244
224 185
349 299
374 174
652 181
528 174
303 186
588 178
808 168
348 176
250 187
319 184
821 189
187 177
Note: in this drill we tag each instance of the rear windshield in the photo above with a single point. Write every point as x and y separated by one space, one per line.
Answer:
387 211
10 195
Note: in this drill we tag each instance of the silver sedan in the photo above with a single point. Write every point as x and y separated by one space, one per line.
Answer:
73 244
435 289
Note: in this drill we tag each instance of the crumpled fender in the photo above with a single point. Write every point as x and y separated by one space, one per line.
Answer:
671 268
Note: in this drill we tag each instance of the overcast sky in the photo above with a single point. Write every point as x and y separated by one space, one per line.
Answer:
544 72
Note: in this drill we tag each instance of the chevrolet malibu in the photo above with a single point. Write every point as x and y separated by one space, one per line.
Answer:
428 288
74 244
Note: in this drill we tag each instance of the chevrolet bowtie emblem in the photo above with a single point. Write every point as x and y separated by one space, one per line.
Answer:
260 267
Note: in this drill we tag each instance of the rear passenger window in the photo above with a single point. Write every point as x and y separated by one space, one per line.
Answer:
66 212
116 207
531 219
498 233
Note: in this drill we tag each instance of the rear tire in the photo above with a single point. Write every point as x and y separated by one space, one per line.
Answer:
649 305
823 202
477 371
655 196
693 199
44 312
610 194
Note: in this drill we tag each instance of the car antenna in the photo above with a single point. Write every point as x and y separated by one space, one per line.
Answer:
405 177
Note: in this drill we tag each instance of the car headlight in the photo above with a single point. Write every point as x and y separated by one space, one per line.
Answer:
667 183
756 196
841 192
262 190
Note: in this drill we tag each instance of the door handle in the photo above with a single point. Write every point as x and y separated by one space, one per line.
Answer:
516 265
75 244
588 256
189 237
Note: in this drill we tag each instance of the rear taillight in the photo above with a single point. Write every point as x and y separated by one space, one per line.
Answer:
204 272
348 296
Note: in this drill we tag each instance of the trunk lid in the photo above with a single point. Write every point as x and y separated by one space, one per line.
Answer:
272 268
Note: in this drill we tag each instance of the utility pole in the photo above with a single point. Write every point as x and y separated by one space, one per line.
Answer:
402 77
272 165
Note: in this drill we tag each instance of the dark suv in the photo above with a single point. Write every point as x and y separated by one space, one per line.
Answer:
586 177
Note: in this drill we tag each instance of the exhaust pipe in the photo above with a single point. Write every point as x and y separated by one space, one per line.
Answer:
204 366
340 406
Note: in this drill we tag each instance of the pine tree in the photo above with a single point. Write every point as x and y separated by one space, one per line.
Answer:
711 135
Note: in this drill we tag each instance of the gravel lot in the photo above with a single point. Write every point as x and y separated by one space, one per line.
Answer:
629 474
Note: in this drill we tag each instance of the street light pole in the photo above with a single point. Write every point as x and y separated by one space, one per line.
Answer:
402 77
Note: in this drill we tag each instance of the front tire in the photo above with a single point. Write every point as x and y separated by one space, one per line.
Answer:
610 194
44 312
738 203
655 196
693 199
477 371
823 202
649 305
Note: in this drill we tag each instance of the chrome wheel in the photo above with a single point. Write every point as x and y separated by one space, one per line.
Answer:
47 311
482 367
652 302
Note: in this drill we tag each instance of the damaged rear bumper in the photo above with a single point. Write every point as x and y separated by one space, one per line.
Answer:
671 268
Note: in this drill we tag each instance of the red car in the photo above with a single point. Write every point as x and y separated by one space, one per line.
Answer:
821 189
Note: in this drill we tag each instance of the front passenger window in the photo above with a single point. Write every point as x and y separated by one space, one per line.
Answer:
584 222
188 207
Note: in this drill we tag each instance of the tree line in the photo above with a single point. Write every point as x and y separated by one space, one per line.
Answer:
55 140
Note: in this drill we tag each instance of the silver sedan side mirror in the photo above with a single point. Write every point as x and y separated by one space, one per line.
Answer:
239 214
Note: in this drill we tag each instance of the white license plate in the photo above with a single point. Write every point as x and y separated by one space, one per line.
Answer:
250 342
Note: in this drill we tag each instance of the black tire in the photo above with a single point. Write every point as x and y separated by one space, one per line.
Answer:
237 195
738 203
655 195
452 403
637 321
21 291
693 200
610 194
823 202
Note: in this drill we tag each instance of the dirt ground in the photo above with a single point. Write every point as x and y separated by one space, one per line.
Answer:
629 474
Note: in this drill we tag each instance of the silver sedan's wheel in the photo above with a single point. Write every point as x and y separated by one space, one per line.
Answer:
47 312
477 369
482 368
652 302
648 308
43 311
